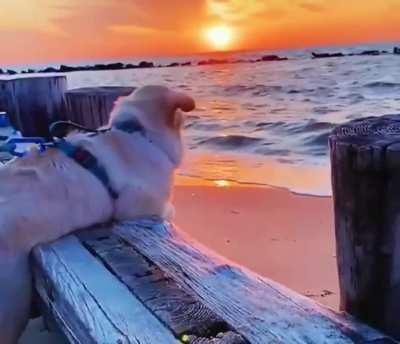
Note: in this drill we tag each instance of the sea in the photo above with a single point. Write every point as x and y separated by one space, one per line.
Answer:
268 123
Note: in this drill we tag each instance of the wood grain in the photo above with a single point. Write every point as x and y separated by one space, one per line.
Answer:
260 310
91 106
88 302
365 160
34 103
176 308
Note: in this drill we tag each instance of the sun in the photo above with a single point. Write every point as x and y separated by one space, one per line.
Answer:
220 37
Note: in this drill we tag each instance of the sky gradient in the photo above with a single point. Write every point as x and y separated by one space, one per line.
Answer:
40 31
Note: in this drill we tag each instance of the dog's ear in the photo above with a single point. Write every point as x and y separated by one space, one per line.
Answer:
182 101
179 101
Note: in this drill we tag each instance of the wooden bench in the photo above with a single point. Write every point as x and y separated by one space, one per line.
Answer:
146 282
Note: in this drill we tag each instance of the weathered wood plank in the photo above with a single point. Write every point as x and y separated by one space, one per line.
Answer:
91 106
259 309
88 302
177 309
365 156
33 103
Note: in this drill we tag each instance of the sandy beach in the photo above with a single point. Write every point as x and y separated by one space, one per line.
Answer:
282 236
285 237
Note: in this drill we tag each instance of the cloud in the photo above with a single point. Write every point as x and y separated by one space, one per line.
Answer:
136 30
245 10
22 15
312 6
237 10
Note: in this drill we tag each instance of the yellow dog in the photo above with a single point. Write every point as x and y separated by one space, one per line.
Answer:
44 196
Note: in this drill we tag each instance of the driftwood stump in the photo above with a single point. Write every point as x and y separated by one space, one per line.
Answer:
365 158
33 103
91 106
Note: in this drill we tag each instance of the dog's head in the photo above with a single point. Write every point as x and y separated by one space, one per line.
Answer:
158 110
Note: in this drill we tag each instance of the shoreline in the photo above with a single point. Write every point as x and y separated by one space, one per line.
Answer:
279 235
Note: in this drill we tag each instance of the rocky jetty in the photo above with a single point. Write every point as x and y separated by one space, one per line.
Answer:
268 58
211 61
370 53
340 54
326 55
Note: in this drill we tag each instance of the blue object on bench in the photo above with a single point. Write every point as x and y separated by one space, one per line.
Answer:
4 120
10 145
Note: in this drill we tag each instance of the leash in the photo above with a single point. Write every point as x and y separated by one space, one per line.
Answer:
79 154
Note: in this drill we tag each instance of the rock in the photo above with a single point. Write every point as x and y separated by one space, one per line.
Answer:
326 55
1 71
11 72
49 70
396 50
370 53
211 62
186 63
273 58
100 67
173 64
115 66
130 66
146 64
66 69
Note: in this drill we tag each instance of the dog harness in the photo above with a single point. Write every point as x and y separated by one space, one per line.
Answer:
86 159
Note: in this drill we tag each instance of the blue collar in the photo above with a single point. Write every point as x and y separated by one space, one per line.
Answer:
88 161
130 126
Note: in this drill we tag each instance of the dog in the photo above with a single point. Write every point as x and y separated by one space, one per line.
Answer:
46 195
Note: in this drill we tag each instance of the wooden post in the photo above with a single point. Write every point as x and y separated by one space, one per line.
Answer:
33 103
3 97
91 106
365 158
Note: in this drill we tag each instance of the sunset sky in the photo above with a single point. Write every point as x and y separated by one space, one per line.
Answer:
40 31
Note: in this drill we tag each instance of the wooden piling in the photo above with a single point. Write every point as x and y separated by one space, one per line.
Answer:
91 106
33 103
365 159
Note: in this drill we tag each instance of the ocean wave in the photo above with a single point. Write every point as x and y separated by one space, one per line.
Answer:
231 141
320 140
254 90
382 84
268 151
297 127
204 126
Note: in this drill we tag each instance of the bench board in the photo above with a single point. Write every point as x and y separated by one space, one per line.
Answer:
145 280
